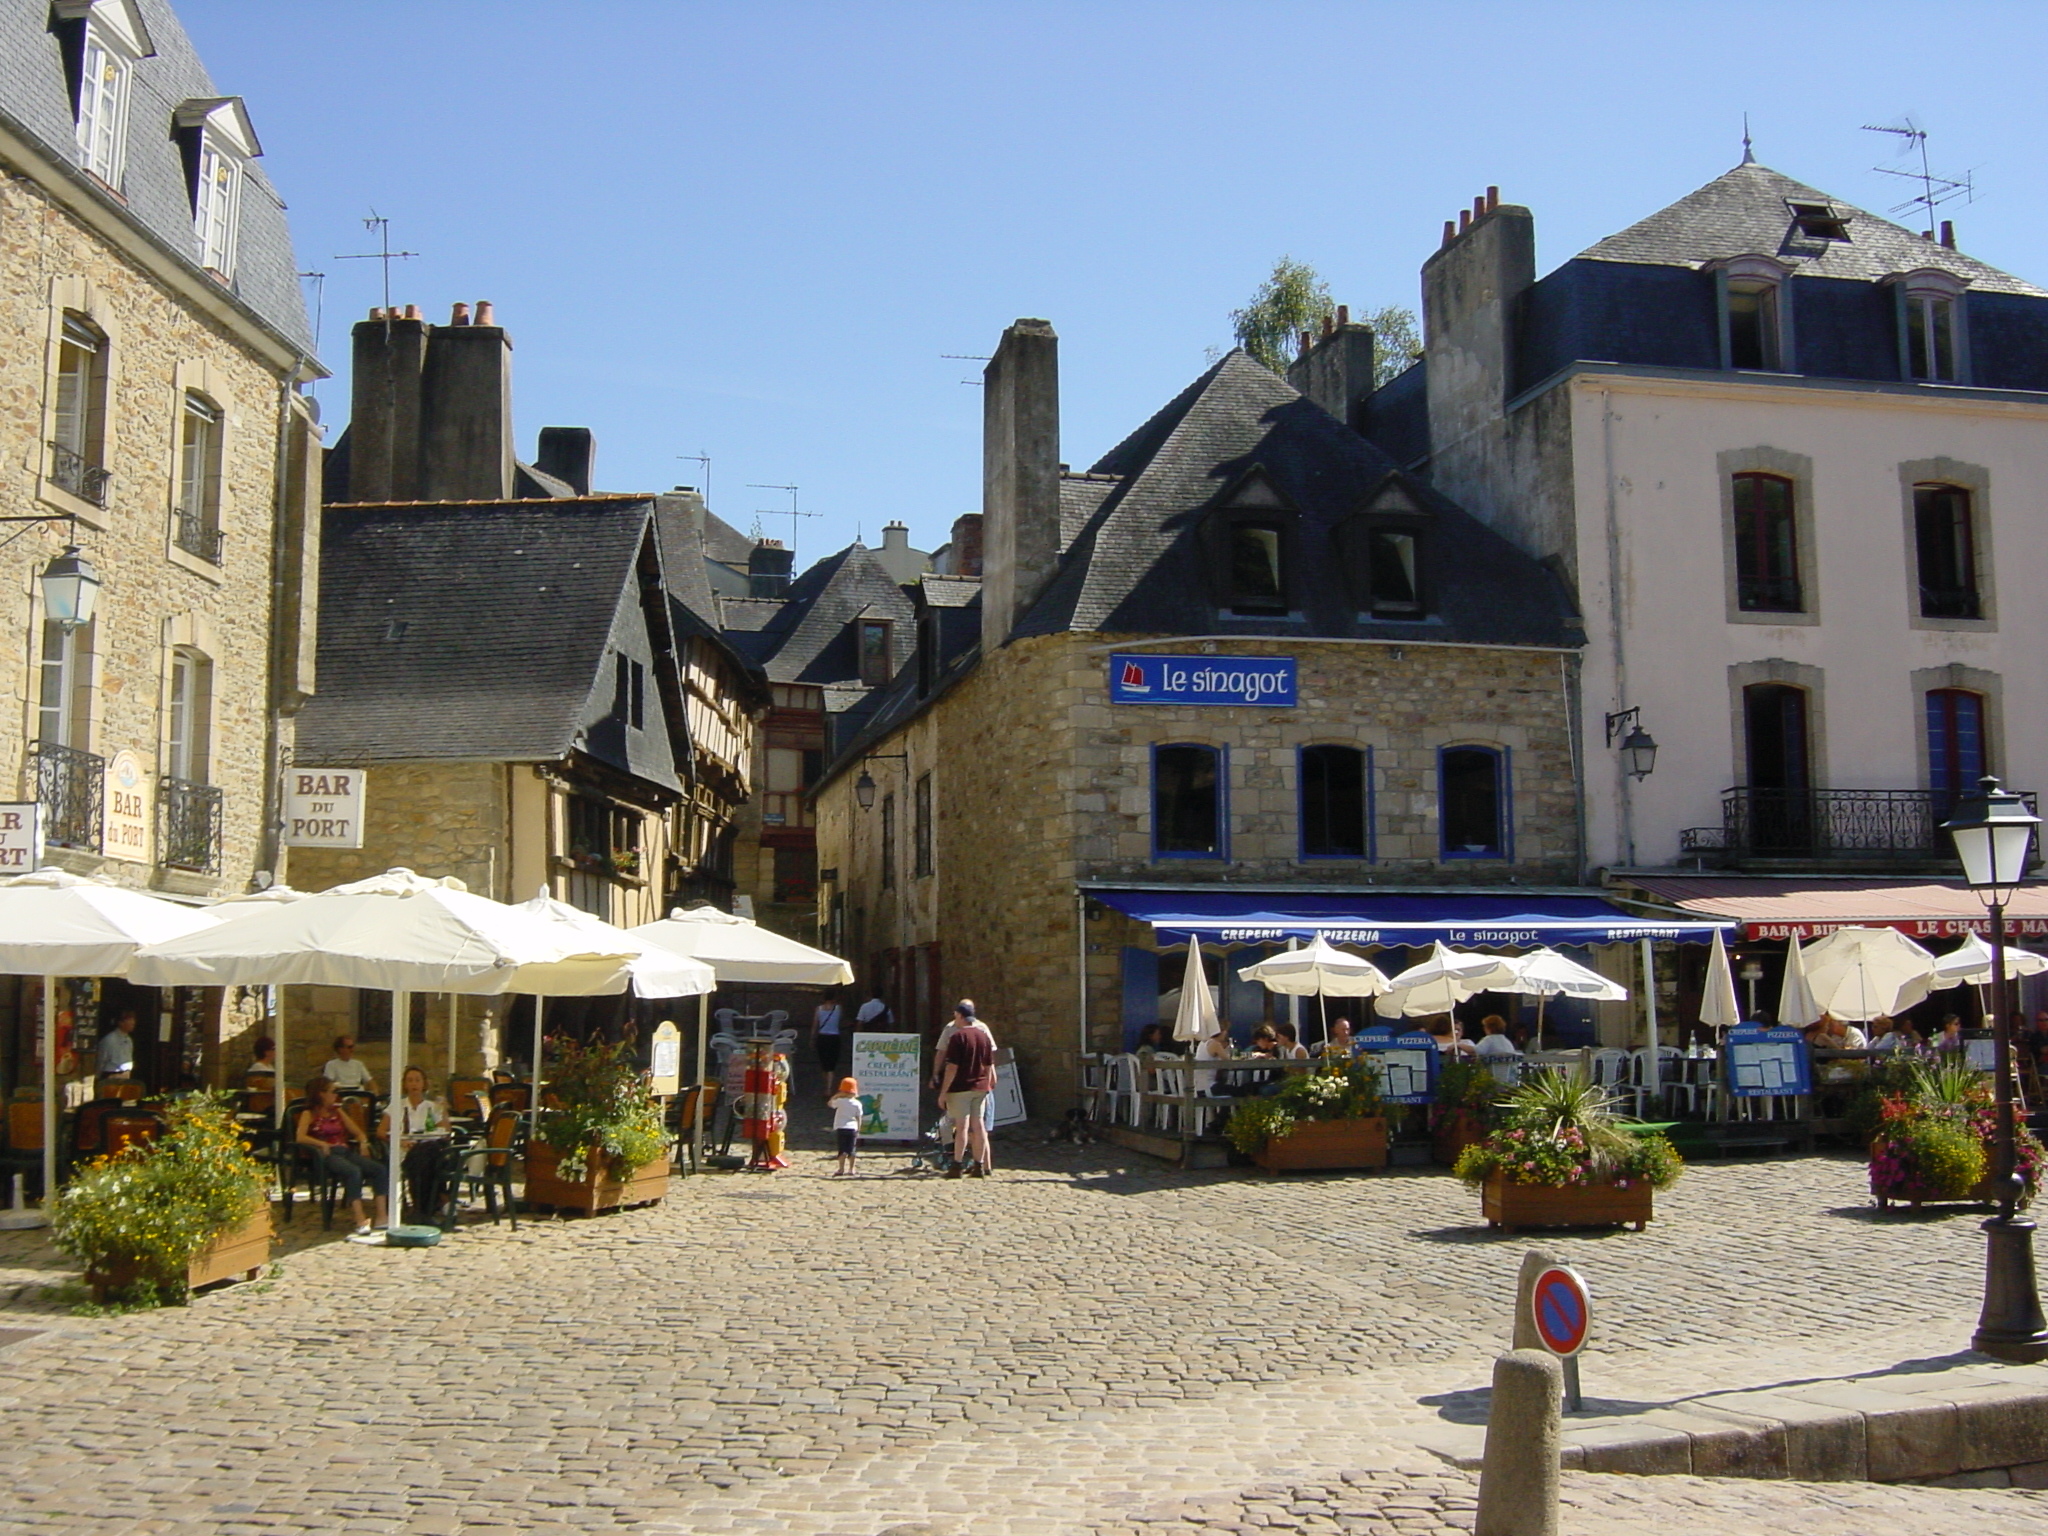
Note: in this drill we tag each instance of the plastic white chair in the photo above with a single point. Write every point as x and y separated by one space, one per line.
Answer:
1123 1093
1169 1083
774 1019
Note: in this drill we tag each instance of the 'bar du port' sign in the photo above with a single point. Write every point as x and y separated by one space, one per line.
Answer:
1226 681
323 807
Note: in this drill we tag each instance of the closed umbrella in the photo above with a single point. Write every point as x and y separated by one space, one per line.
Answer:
1796 1006
1544 974
54 924
1195 1019
1442 981
1860 973
1319 970
1718 1008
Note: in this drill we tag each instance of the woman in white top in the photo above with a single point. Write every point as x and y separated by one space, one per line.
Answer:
344 1071
421 1124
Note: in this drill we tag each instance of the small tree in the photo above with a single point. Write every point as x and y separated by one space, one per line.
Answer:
1295 299
1396 342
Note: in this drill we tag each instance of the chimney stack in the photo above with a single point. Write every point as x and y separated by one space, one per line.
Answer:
389 355
966 556
1948 233
569 454
768 569
1336 371
1020 473
459 315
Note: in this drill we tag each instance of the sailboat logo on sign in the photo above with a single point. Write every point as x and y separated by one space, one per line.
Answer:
1133 678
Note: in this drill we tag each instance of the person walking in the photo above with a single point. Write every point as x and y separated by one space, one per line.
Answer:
827 1024
967 1078
874 1013
846 1118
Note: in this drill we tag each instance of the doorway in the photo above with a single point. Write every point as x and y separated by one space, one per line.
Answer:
1779 771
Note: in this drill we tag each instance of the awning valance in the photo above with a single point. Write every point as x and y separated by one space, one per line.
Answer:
1508 919
1807 908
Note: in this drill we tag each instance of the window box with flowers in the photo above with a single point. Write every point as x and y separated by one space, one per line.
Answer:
1935 1136
1561 1157
1328 1118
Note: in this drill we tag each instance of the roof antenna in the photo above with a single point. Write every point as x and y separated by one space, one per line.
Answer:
1934 190
1748 154
380 226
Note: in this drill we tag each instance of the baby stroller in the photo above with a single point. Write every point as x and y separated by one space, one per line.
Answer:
933 1151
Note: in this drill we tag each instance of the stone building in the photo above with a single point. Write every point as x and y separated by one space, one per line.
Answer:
150 415
1243 660
1789 457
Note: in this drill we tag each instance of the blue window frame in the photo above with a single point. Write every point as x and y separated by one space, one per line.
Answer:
1475 812
1189 793
1956 758
1335 801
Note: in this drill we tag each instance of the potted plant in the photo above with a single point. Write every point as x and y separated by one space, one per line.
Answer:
599 1140
1937 1127
1328 1117
160 1218
1466 1093
1561 1157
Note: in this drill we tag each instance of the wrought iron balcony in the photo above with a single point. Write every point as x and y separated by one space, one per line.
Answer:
1847 825
71 788
73 472
198 536
188 825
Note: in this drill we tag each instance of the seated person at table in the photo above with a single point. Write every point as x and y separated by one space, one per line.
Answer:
1158 1037
1828 1033
1449 1036
1497 1051
263 1059
344 1071
1218 1045
1291 1048
1889 1034
1951 1036
1265 1042
1340 1042
422 1131
340 1146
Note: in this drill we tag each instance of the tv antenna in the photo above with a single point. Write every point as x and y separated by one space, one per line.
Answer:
966 357
705 460
1934 190
382 227
792 514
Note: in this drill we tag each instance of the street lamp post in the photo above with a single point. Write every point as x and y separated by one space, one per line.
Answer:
1994 832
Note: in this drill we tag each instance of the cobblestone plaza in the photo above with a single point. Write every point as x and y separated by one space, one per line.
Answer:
1084 1343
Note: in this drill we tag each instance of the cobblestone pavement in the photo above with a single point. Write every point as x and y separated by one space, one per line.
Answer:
1084 1343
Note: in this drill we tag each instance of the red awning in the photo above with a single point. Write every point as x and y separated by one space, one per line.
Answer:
1806 908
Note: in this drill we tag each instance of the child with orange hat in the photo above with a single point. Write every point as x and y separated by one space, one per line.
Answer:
846 1118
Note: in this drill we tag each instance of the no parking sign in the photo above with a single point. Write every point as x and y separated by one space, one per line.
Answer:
1562 1310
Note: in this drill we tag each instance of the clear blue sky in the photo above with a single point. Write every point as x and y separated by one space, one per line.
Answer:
751 228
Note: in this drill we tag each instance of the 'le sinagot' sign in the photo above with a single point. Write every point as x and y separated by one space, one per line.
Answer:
323 807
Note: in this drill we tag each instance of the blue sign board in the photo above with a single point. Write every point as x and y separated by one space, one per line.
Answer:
1407 1063
1216 681
1767 1063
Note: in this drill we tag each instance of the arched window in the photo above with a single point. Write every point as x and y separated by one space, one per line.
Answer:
1956 755
1766 545
1187 802
1472 800
1333 802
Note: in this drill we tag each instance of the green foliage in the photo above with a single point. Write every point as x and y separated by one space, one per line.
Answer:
155 1205
1936 1125
600 1103
1336 1090
1561 1129
1396 343
1292 300
1466 1084
1897 1076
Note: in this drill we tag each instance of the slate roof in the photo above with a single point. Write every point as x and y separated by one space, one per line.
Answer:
1139 566
35 100
949 591
1743 213
466 631
679 521
810 638
725 543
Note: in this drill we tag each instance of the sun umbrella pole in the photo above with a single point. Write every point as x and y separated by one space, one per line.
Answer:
703 1030
1650 1063
454 1028
539 1039
277 1077
401 1032
49 1092
1541 999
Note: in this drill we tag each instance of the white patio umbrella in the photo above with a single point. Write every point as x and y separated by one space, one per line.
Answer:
1970 961
1796 1005
1195 1019
738 950
654 971
401 933
228 909
1718 1008
1318 970
1443 980
1859 973
1544 974
55 924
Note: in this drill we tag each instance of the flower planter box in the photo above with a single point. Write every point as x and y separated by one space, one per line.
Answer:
1327 1144
1454 1131
1508 1206
1984 1194
597 1190
242 1251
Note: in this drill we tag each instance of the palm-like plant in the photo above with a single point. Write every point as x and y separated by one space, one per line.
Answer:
1549 1103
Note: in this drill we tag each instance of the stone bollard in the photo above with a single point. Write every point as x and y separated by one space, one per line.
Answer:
1534 1262
1518 1478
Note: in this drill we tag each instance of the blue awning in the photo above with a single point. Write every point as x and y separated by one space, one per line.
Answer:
1508 920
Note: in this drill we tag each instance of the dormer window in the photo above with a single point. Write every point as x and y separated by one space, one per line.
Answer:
1930 325
1385 550
1753 329
1819 221
1250 541
102 39
873 636
218 143
1257 578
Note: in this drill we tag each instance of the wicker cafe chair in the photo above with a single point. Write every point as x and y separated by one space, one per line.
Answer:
462 1096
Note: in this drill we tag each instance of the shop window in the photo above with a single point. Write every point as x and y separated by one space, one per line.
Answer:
921 826
1767 576
1472 799
1333 802
1956 756
1945 542
873 637
1187 802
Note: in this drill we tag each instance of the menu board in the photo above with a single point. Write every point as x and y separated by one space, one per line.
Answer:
1767 1063
887 1067
1407 1065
